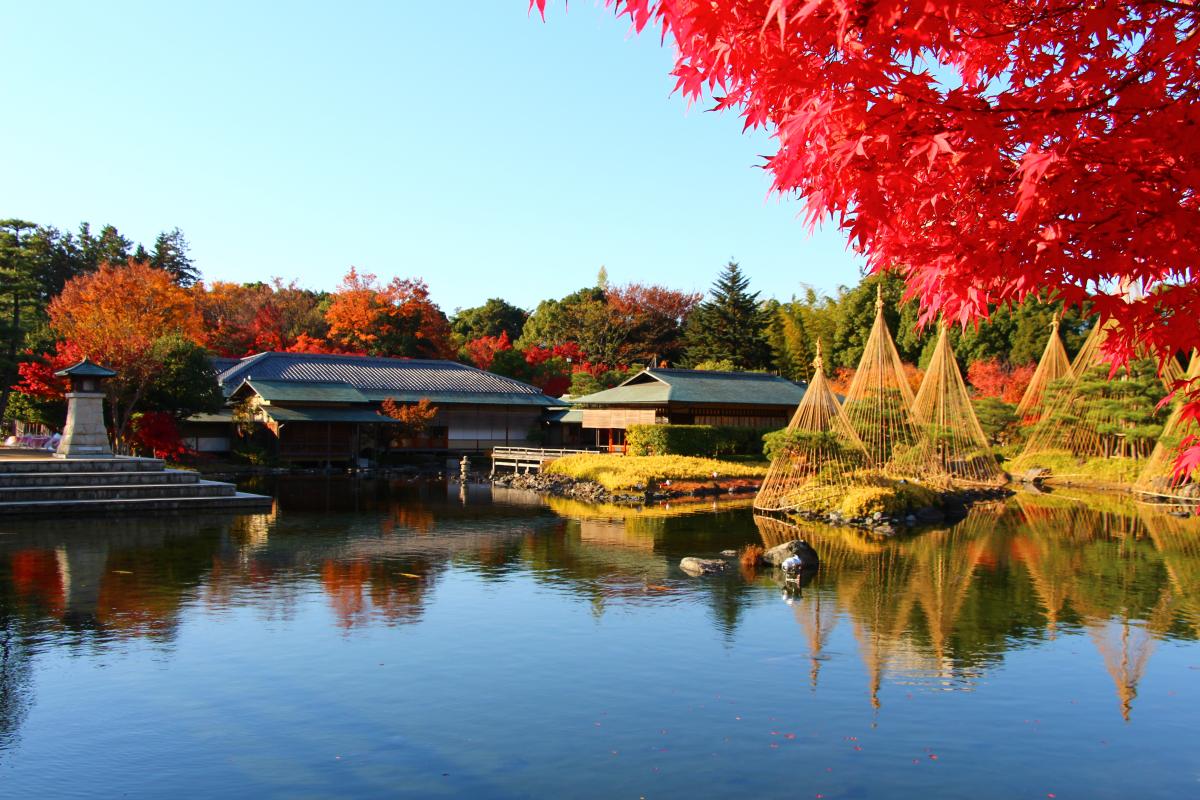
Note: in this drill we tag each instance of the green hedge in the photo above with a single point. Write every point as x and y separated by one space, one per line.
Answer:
692 440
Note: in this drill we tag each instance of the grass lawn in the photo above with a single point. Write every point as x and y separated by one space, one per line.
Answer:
617 473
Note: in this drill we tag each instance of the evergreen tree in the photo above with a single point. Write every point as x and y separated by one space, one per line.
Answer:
171 254
18 297
731 326
493 318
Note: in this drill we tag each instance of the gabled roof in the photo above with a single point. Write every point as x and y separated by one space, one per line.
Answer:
699 387
360 415
405 380
304 391
85 369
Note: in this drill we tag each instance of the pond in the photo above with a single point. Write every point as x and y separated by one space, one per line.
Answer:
390 639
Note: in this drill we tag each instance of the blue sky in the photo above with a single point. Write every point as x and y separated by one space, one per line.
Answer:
468 144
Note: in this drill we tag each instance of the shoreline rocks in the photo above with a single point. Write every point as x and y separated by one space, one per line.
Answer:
555 485
703 566
796 547
954 508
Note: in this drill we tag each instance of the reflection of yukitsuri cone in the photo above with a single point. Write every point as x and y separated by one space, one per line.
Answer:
818 617
1053 366
952 443
1127 648
880 607
823 455
1050 565
1158 477
1178 542
945 567
879 401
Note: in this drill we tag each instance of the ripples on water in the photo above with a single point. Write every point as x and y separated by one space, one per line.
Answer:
378 639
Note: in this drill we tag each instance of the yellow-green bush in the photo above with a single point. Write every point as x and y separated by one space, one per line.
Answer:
1063 464
869 493
627 472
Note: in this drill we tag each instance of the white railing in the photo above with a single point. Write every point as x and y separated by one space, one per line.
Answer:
531 458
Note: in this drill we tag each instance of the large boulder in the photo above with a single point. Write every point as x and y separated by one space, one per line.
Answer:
796 547
703 566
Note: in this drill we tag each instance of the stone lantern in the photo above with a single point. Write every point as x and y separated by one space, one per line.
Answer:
85 435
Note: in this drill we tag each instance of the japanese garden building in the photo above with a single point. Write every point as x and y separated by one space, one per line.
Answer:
754 400
326 408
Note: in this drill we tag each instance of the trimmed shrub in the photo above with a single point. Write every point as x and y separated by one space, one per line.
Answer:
692 440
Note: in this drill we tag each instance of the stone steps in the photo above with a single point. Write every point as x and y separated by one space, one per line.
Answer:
239 501
30 479
43 465
58 487
17 494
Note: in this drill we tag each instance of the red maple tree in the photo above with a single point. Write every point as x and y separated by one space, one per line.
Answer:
991 377
986 149
482 351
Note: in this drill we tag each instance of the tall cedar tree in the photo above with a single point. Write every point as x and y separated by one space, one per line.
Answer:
18 295
731 326
991 150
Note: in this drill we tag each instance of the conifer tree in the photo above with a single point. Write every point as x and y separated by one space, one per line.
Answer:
731 326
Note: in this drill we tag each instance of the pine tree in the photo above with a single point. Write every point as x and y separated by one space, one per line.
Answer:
171 254
731 326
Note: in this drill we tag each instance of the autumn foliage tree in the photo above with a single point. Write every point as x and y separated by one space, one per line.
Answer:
994 378
393 319
412 419
987 150
121 316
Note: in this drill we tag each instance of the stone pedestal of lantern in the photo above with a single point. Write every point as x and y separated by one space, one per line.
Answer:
85 435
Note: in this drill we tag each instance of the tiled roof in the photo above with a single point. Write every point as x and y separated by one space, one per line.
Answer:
376 378
306 392
699 387
360 415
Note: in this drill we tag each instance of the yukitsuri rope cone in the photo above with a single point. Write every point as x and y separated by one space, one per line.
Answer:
1092 416
879 401
952 447
821 455
1158 478
1054 365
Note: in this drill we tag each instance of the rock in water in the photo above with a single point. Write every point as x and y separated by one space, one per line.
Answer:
703 566
796 547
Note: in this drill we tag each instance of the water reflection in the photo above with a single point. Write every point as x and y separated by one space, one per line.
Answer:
940 607
938 611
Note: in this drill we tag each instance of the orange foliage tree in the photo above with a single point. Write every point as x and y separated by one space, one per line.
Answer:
396 319
240 319
117 316
414 418
991 377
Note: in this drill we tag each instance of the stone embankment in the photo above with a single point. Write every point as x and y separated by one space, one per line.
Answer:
560 486
952 509
563 486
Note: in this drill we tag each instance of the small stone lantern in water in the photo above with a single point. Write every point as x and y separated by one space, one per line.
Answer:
85 435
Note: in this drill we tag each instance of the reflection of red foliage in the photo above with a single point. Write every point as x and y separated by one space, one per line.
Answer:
344 585
35 575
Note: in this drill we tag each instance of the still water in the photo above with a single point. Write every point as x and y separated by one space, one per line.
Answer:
371 639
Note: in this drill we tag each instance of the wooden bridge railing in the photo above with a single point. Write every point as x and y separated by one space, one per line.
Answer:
529 458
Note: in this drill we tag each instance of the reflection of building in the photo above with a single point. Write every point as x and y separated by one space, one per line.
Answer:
687 397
